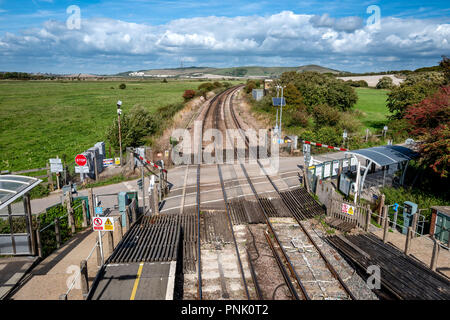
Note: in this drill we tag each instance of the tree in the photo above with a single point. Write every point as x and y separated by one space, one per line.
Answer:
430 121
294 99
411 92
317 88
325 115
122 86
385 83
430 113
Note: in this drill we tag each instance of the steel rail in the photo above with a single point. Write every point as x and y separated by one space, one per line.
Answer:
266 217
222 184
327 262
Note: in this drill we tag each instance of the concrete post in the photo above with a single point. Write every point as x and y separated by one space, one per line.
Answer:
127 218
434 257
99 255
91 203
110 240
85 219
95 168
155 201
84 278
119 226
133 215
57 233
408 241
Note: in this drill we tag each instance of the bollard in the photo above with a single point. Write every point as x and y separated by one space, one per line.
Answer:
110 239
435 255
57 233
84 278
386 227
408 240
85 222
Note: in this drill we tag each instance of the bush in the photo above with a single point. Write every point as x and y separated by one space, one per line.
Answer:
188 95
122 86
165 81
349 122
324 115
300 118
385 83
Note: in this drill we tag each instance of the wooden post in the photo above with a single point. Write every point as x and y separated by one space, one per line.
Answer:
386 226
91 203
408 241
110 239
38 241
414 224
85 219
155 201
434 257
50 177
380 211
72 221
84 278
57 233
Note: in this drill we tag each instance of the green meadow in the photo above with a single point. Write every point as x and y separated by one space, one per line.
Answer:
372 104
44 119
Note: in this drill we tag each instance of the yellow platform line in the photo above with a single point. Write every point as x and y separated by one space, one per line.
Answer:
136 282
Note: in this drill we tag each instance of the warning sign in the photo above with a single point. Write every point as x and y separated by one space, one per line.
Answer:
103 224
109 225
348 209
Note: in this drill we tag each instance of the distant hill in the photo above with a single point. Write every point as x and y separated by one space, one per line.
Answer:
235 72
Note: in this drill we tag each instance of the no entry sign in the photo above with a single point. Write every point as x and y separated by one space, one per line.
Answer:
80 160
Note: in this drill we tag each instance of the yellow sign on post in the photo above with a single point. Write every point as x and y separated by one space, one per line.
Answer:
117 161
109 225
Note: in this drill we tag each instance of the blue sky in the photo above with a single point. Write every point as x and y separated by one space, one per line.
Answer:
117 36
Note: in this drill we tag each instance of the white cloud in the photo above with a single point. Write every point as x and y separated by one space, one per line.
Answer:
283 38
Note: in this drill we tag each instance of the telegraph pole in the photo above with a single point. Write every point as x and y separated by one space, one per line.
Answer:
119 112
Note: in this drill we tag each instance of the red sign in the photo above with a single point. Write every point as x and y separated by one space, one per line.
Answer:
80 160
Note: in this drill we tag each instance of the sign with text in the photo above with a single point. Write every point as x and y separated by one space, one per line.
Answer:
103 224
108 162
84 169
56 165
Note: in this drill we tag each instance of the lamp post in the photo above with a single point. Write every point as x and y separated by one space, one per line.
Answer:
119 112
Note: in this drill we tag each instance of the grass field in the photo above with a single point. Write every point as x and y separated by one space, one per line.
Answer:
372 103
42 119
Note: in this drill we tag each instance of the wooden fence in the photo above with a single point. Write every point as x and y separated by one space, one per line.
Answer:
349 213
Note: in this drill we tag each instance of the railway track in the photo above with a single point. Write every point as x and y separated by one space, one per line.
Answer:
302 206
